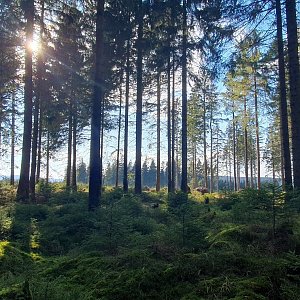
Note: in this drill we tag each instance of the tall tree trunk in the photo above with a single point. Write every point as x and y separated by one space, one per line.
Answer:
102 144
39 149
23 187
184 186
95 164
294 80
285 142
13 137
234 151
119 130
125 176
74 156
158 135
69 159
35 133
257 132
246 144
139 102
211 152
48 157
204 142
173 127
169 130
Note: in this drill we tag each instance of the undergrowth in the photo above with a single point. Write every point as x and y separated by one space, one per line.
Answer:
242 245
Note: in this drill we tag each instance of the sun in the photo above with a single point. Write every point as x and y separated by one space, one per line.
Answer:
34 45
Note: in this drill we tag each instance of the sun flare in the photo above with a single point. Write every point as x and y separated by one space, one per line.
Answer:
34 46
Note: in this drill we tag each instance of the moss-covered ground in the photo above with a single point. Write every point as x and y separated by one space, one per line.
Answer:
242 245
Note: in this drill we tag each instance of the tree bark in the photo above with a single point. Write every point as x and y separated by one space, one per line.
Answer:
95 164
158 135
294 80
139 102
125 176
23 187
119 130
74 156
69 159
234 151
257 133
184 185
35 133
173 127
169 130
204 141
13 137
246 145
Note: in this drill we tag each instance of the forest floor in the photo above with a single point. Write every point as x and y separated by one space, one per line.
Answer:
242 245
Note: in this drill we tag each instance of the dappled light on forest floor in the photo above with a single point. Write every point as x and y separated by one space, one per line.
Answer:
182 248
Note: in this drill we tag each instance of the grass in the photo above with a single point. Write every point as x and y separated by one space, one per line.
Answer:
130 249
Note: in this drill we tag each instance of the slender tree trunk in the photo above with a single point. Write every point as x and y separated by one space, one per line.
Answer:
184 185
139 102
13 137
35 133
69 159
74 166
48 157
234 151
119 130
204 141
173 126
251 171
158 135
246 145
102 117
169 130
287 175
211 153
23 187
125 176
294 80
217 162
95 164
39 151
257 132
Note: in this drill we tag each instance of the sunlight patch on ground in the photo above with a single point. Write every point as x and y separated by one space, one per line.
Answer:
3 245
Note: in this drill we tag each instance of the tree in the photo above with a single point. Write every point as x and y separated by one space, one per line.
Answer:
294 82
95 178
184 184
23 187
287 180
139 99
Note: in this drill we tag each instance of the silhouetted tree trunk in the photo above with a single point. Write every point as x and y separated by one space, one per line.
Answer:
204 142
119 130
47 157
257 135
35 133
234 151
169 131
211 151
184 186
174 171
246 145
125 176
294 80
158 135
13 137
69 159
95 164
39 151
23 187
139 101
74 152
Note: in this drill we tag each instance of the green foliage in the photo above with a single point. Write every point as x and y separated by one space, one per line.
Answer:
128 249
